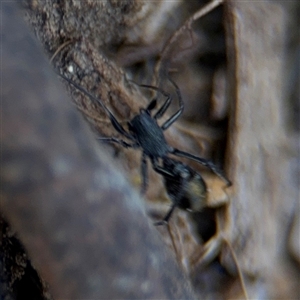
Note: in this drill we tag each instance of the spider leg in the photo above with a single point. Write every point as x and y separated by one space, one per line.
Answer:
175 199
144 172
151 105
118 141
165 106
119 127
173 118
112 118
160 170
167 217
207 163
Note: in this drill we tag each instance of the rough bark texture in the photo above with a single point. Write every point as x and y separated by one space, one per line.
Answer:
83 226
265 196
80 221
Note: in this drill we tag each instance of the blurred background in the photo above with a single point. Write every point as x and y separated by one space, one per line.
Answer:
72 220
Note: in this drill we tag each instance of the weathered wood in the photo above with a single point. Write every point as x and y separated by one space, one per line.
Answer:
261 153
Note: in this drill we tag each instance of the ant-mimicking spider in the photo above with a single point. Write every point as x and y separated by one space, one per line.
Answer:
145 133
185 186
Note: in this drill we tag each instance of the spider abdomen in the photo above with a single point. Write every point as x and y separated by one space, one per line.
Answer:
185 187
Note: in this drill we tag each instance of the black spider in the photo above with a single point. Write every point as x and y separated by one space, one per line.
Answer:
185 187
145 133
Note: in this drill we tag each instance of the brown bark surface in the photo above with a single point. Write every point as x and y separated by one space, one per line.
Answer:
265 196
